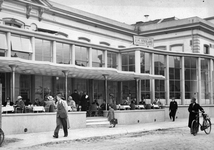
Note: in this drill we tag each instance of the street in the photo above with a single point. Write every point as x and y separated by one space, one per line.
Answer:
163 139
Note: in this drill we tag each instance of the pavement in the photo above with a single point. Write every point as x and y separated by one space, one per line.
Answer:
33 139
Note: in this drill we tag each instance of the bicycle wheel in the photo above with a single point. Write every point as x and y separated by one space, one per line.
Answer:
1 136
207 126
194 127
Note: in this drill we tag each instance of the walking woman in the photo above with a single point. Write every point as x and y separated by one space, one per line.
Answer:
111 117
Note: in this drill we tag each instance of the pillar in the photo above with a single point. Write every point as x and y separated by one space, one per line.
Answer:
182 83
106 88
211 81
13 68
199 81
66 83
152 81
137 89
54 51
166 71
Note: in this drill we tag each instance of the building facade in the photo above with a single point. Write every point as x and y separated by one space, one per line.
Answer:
47 48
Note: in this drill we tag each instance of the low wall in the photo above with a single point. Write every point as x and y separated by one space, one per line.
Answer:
38 122
182 111
139 116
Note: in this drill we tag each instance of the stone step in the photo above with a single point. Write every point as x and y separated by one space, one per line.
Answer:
97 122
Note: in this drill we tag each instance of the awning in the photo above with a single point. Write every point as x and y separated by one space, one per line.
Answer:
50 69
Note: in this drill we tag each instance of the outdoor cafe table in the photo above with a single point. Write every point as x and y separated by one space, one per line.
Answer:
139 106
123 107
38 109
7 109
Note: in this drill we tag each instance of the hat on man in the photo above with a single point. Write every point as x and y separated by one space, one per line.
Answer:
19 97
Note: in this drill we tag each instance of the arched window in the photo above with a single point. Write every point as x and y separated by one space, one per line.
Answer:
13 22
84 39
177 48
105 43
160 47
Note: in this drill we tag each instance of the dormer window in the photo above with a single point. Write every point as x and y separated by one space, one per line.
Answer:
84 39
105 43
13 22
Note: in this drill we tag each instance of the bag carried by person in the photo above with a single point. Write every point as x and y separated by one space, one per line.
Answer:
114 121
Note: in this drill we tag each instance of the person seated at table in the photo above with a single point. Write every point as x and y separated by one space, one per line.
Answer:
20 105
142 102
93 109
125 102
39 102
132 105
27 102
8 102
49 104
71 103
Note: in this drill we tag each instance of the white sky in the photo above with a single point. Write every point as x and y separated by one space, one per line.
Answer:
131 11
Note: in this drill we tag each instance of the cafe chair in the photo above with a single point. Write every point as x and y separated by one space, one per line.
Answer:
93 110
19 110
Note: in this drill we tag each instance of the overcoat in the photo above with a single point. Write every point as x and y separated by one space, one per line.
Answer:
110 114
193 111
58 121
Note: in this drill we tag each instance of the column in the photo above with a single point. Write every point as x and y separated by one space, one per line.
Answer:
54 51
182 83
106 87
211 81
33 48
166 71
72 47
119 62
66 83
199 81
106 58
90 57
137 89
9 44
13 68
137 61
152 81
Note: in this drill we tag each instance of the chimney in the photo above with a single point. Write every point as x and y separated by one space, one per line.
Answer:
146 18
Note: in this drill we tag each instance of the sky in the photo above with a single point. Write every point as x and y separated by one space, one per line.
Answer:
132 11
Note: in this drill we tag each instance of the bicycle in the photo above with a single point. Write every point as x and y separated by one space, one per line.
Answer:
205 126
1 136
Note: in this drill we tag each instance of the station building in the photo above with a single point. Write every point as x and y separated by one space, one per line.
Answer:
46 47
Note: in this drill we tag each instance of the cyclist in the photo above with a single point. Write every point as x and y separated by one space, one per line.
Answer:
193 111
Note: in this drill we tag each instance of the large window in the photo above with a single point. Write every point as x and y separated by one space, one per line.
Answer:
145 89
63 53
145 62
128 61
3 44
112 59
43 50
98 59
129 90
205 78
99 91
21 47
190 65
206 49
81 56
159 66
174 77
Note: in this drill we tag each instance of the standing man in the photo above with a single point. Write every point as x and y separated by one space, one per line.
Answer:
76 98
61 116
173 108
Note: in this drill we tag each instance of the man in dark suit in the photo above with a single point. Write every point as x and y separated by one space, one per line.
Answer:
62 116
173 106
8 102
76 98
193 111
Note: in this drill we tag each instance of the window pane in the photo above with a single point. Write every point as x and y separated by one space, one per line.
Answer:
43 50
3 39
16 43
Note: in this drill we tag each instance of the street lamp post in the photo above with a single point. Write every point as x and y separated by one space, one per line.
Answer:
106 87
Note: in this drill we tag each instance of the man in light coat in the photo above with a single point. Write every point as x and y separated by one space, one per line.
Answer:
61 116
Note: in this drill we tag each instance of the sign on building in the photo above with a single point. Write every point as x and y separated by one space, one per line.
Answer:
143 41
